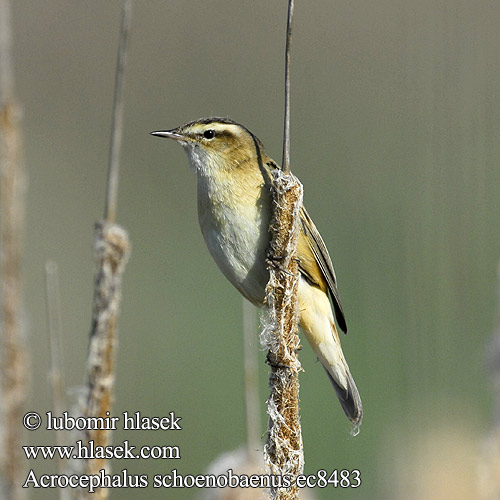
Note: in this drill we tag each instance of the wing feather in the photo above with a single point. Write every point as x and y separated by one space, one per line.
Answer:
316 265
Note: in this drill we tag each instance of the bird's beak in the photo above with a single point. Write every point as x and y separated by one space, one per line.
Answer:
169 134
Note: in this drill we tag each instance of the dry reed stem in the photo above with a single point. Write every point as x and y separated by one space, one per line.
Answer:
285 161
283 450
56 377
115 142
14 350
251 379
56 374
14 362
112 250
489 465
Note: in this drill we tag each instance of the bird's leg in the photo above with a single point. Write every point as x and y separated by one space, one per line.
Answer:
271 361
276 260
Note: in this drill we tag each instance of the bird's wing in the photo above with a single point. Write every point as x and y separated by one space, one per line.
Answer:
315 264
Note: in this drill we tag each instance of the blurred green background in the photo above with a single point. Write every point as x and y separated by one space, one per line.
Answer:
395 122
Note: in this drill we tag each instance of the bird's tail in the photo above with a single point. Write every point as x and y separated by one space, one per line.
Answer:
327 347
349 397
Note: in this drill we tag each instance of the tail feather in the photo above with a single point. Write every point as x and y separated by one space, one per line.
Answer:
316 320
349 399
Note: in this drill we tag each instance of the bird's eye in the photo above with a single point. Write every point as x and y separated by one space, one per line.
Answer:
209 134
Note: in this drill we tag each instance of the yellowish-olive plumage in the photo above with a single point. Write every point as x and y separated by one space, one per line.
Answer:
234 211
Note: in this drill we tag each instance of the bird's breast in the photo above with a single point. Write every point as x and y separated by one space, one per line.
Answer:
234 217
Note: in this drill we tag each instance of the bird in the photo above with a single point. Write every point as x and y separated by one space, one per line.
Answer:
234 212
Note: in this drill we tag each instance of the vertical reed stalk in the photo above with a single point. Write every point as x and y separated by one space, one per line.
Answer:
112 249
283 450
14 361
